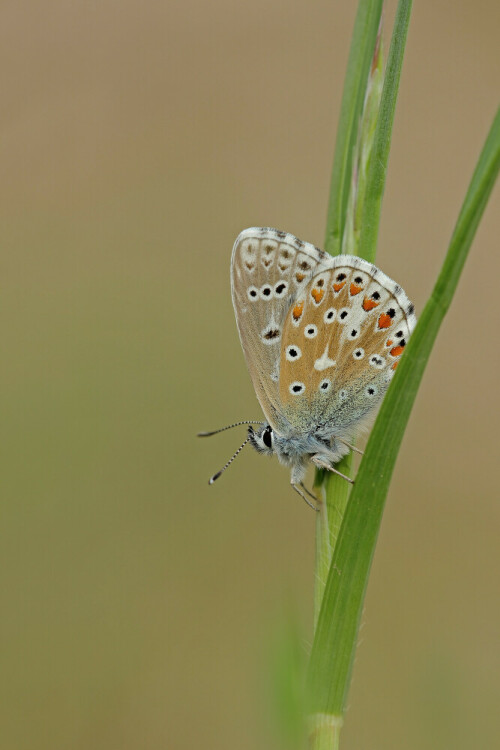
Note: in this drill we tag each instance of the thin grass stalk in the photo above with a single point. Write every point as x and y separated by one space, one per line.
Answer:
360 55
377 168
361 99
367 188
338 624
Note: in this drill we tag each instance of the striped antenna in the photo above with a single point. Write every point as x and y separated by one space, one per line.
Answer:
229 427
216 476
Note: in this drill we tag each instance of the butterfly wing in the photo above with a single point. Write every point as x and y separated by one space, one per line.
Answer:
269 270
342 340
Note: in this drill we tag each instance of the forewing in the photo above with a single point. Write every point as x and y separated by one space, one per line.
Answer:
342 340
269 269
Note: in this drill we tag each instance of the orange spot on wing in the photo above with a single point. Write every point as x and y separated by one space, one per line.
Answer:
396 351
339 286
300 276
297 310
384 321
389 342
369 304
317 295
355 289
395 365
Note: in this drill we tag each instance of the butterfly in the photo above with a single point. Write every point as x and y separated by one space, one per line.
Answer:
322 337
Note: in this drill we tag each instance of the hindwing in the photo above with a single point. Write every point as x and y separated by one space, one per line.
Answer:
341 344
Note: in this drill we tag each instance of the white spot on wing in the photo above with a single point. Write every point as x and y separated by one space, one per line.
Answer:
310 331
275 375
271 334
329 315
252 293
293 353
324 362
377 362
280 289
266 292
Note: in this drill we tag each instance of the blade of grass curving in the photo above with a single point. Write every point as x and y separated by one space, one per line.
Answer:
358 66
377 168
338 624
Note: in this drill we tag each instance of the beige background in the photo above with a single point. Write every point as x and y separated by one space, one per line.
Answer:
139 607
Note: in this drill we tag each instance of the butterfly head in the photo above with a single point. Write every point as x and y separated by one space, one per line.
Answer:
262 439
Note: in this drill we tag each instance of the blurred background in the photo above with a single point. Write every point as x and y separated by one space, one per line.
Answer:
141 608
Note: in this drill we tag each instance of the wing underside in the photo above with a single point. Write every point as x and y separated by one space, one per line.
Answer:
322 336
269 269
342 342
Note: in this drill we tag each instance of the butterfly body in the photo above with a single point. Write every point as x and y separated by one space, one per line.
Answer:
294 451
322 337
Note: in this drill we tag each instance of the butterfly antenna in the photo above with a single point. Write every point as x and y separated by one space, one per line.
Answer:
229 427
216 476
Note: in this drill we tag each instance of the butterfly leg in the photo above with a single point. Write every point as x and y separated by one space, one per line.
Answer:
304 497
322 463
311 494
352 447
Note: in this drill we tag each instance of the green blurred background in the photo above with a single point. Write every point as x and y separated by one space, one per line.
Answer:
139 607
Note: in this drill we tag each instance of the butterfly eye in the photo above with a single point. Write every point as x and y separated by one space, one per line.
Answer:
267 437
310 331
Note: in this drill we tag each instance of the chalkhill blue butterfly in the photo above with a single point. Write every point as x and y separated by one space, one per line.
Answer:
322 337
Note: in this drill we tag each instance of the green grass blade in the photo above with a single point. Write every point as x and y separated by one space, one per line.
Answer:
337 629
358 66
336 489
363 148
379 158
